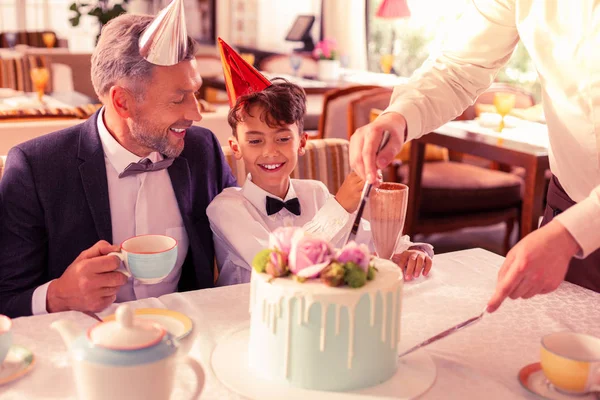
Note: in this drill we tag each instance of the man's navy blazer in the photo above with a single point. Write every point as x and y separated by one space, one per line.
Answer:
54 204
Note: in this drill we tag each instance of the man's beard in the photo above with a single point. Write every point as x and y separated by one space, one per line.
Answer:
145 134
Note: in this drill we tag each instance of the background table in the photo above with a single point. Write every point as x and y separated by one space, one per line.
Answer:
479 362
467 137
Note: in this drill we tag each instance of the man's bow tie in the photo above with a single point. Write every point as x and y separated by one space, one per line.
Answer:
145 165
275 205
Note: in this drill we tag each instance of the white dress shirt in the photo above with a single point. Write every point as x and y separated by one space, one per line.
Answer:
140 204
241 225
562 38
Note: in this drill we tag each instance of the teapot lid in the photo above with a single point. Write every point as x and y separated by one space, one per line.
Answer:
126 332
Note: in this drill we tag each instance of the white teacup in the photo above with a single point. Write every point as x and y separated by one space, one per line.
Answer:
571 361
5 337
148 258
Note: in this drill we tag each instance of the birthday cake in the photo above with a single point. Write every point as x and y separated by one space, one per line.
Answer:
323 318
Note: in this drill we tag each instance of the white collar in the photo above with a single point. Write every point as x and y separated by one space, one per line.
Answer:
117 155
258 196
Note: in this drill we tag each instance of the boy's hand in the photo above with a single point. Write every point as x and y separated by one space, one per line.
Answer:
413 262
348 194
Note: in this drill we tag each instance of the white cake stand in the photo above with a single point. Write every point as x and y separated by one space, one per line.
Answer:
416 373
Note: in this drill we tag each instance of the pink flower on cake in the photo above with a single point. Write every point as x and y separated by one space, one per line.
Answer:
281 238
309 256
356 253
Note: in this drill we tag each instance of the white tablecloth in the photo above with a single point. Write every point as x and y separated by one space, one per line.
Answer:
30 100
516 129
481 361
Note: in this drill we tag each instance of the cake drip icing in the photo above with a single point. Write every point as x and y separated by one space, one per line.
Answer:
275 298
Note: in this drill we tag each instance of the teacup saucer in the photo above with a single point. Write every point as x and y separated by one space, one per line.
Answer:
176 323
532 378
18 362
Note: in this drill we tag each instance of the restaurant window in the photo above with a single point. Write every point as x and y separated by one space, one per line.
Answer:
40 15
415 38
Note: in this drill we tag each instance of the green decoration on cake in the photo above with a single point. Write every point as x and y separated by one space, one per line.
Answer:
333 274
372 272
298 279
259 263
354 276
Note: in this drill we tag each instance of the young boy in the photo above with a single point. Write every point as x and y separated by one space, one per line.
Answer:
268 135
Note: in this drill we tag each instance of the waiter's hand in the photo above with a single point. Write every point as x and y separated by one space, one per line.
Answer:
90 283
365 142
536 265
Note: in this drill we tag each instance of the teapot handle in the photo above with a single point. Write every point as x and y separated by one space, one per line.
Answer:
199 372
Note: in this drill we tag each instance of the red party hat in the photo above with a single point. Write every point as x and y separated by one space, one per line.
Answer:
241 78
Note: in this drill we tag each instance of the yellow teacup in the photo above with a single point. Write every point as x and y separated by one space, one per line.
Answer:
571 361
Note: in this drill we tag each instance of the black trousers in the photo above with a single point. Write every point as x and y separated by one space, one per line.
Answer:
583 272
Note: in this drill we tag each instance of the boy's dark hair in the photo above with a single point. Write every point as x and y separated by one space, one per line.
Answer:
283 103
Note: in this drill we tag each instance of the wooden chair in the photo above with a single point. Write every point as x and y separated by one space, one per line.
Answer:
29 38
447 195
360 107
280 63
15 71
365 108
2 163
209 66
334 118
80 65
368 105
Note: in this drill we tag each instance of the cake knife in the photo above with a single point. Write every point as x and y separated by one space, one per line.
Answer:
365 193
447 332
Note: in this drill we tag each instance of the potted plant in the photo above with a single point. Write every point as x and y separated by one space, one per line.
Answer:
103 10
327 60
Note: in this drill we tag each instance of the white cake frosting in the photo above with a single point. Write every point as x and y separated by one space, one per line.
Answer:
318 337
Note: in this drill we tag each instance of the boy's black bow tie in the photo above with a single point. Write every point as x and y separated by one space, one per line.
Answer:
275 205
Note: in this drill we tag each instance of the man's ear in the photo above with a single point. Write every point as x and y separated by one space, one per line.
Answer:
122 101
235 147
302 147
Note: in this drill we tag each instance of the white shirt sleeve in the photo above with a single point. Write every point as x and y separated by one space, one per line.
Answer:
577 221
404 244
38 299
333 223
475 47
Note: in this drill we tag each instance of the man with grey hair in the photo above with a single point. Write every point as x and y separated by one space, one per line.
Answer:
136 167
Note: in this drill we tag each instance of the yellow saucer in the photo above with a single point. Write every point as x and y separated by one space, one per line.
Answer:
177 324
18 362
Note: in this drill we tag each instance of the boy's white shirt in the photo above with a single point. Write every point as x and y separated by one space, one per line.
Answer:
241 226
